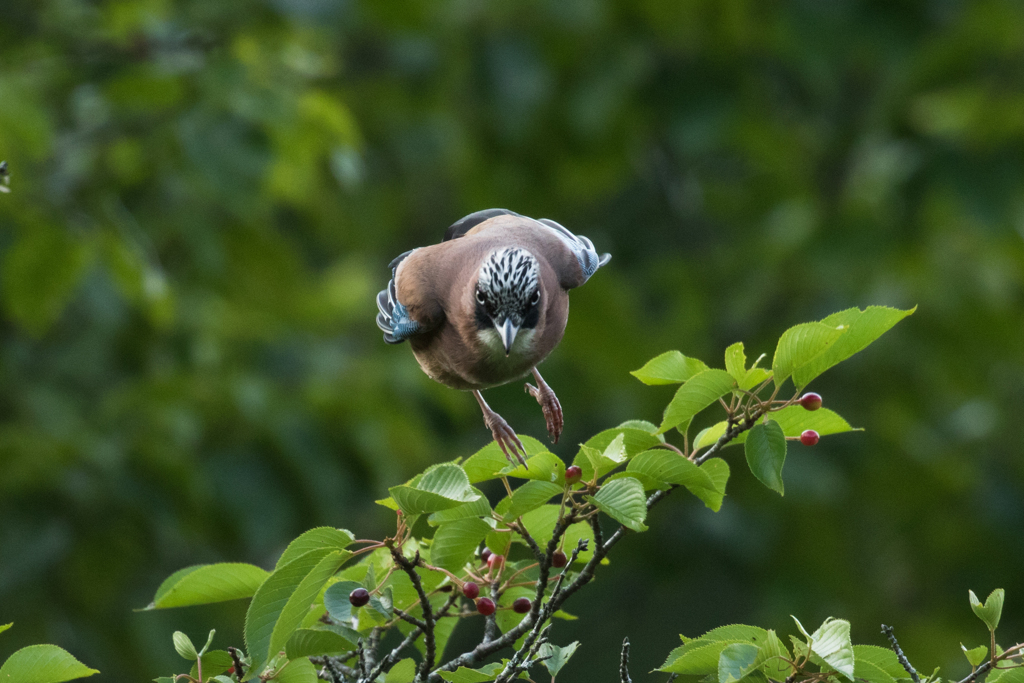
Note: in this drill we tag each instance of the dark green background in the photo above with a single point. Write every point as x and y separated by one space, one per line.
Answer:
206 195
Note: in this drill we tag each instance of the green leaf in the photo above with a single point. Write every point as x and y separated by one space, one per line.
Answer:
975 655
699 392
991 611
183 646
43 664
880 658
604 462
320 538
634 440
298 603
474 508
336 600
530 496
670 367
861 329
4 627
800 345
753 378
669 467
700 656
402 672
297 671
489 460
623 500
214 662
312 642
481 675
557 656
441 487
736 661
455 542
766 454
543 466
869 671
832 643
772 657
383 603
718 470
736 362
209 583
642 425
283 601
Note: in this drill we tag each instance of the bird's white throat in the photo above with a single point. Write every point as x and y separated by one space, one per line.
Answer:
521 347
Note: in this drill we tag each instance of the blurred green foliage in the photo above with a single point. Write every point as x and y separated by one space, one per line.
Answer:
205 196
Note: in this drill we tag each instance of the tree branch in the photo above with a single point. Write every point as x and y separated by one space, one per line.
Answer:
887 630
624 663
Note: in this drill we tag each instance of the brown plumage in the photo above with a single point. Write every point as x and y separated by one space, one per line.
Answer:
487 305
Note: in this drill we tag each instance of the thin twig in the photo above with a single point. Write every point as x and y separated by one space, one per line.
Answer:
624 663
887 630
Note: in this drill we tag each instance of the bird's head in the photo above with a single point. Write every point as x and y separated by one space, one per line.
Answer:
508 293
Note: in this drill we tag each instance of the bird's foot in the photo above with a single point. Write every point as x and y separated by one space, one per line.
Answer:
507 440
549 404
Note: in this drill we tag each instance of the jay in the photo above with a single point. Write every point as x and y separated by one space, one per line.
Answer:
486 305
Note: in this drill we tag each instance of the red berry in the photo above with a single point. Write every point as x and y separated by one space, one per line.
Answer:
496 562
521 605
810 401
485 606
573 474
485 555
359 597
470 590
559 559
809 437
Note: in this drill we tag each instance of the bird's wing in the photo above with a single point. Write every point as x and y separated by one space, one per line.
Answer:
393 318
581 247
464 225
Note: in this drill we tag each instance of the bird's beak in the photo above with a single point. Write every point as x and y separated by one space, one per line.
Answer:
508 331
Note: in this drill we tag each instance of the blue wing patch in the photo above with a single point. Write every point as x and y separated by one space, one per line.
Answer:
582 247
393 318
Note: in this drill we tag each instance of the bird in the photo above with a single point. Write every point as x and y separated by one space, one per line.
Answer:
486 305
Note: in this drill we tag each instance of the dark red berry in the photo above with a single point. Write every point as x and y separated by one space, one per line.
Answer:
521 605
810 401
809 437
573 474
496 562
470 590
485 606
359 597
559 559
485 555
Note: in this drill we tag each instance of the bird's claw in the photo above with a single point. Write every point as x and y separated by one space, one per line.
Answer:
551 407
506 438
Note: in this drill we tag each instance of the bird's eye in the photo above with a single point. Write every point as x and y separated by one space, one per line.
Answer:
535 299
479 297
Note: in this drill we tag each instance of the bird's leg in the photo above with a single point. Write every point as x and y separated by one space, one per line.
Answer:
549 404
503 434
